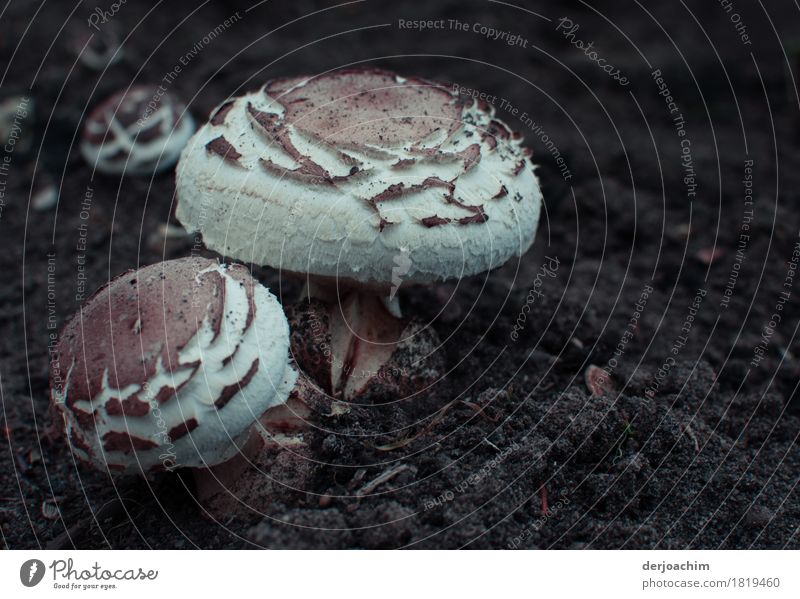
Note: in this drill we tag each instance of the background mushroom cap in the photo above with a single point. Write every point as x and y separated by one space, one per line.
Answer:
167 366
137 131
358 175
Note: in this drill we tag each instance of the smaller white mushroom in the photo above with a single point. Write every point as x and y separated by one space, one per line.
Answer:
185 363
140 131
170 366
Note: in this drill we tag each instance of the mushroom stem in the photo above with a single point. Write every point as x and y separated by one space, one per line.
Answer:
364 334
365 326
247 479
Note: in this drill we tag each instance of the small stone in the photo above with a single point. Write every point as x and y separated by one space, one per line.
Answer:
50 510
709 255
598 381
44 198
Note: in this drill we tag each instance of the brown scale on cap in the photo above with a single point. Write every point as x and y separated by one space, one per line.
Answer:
131 406
437 221
120 441
498 129
437 182
249 285
176 432
219 114
85 419
393 191
471 156
492 141
300 174
77 441
434 221
475 209
372 112
231 390
267 123
123 325
366 106
478 217
404 163
398 190
222 147
273 130
501 194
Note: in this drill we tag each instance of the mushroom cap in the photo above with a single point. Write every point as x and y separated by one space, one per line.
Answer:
169 366
362 176
140 131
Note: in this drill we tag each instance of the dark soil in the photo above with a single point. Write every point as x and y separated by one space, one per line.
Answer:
510 449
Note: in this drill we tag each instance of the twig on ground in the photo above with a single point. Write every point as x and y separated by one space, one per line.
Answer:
492 445
545 501
693 437
382 478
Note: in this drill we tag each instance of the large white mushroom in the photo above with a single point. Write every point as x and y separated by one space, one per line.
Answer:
183 363
361 181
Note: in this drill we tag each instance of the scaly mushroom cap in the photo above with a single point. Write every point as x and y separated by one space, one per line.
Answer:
360 174
169 366
137 132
